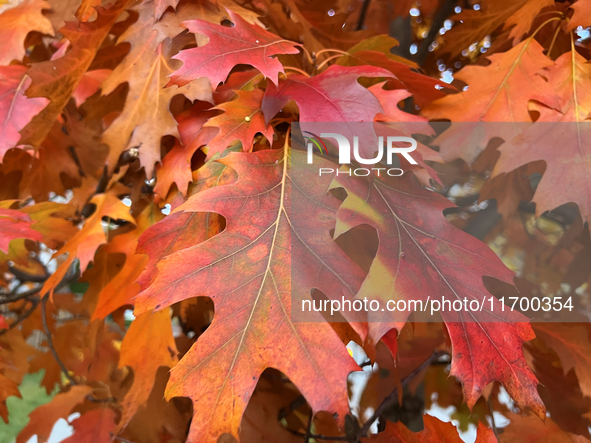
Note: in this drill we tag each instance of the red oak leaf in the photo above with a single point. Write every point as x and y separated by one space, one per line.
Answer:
16 110
15 224
242 44
247 270
422 255
333 96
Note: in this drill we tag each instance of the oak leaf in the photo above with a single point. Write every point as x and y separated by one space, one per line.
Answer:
435 430
538 431
406 75
16 23
146 117
44 417
84 244
252 327
181 228
473 25
427 256
572 344
57 79
160 6
581 15
243 44
16 110
332 96
567 177
499 92
94 426
147 345
15 224
242 120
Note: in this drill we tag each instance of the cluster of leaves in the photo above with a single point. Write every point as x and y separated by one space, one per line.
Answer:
144 158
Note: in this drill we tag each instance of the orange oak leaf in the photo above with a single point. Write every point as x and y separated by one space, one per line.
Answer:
424 89
435 430
57 79
537 431
175 168
426 256
520 22
567 177
582 15
94 426
499 92
246 271
44 417
16 23
333 96
242 44
160 6
16 110
474 25
15 224
242 120
84 244
113 285
572 344
147 345
146 117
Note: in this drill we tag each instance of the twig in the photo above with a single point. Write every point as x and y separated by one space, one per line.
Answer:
492 416
101 400
56 357
444 12
318 436
393 396
309 427
386 403
362 14
34 302
124 440
12 297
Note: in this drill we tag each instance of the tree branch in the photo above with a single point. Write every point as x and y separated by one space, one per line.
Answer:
386 403
12 297
56 357
34 302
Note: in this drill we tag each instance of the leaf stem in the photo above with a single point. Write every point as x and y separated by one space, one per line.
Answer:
291 68
338 51
327 60
550 20
549 53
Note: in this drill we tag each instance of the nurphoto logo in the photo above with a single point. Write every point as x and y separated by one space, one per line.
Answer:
392 147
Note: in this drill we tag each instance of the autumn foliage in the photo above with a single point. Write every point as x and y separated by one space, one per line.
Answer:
146 163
